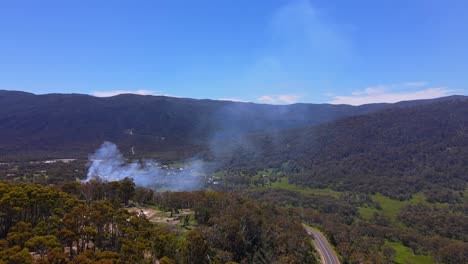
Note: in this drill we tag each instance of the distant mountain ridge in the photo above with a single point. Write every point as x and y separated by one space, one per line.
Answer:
74 124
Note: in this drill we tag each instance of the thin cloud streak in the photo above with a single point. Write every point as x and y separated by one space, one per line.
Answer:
279 99
374 95
233 100
416 84
117 92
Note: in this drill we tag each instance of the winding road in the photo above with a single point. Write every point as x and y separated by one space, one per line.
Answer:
327 254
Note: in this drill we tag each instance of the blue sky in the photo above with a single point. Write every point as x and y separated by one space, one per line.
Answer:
265 51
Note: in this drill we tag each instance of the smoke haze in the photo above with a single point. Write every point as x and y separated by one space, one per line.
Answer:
108 164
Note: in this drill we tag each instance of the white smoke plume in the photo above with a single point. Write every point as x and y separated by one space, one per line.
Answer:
108 164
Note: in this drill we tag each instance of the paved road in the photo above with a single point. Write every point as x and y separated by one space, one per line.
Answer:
327 254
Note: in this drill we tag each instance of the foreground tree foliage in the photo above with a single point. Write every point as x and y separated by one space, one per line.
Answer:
88 223
235 228
426 229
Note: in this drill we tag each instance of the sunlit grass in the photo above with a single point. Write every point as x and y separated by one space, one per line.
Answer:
405 255
283 183
391 207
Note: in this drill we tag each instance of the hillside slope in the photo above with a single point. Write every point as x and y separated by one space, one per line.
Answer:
397 151
73 125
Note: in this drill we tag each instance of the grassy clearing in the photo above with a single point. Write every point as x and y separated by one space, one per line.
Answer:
405 255
176 165
174 219
367 212
163 214
391 207
265 180
283 183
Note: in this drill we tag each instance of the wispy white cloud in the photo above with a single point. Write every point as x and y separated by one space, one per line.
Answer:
233 99
415 84
279 99
391 94
117 92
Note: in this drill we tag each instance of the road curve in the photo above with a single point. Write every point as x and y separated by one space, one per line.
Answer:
327 254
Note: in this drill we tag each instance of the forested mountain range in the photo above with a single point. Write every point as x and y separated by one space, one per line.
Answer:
397 152
73 125
411 146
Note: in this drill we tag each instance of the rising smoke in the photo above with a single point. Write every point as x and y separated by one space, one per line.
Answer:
108 164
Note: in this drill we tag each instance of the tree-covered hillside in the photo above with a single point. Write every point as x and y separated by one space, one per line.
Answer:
396 152
73 125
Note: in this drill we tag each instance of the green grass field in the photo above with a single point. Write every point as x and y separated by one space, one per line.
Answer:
283 183
405 255
391 207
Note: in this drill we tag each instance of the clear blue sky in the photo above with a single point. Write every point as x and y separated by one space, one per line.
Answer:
270 51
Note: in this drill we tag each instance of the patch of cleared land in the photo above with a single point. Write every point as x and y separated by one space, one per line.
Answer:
283 183
405 255
158 216
391 207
